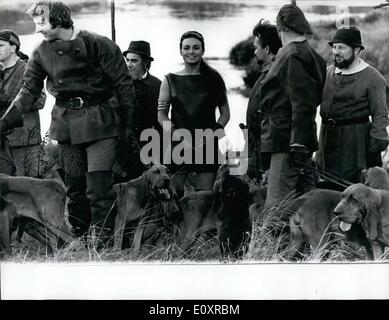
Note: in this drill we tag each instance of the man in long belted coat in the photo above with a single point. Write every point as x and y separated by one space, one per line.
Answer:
95 101
354 91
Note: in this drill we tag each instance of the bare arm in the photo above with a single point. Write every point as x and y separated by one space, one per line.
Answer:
224 113
164 105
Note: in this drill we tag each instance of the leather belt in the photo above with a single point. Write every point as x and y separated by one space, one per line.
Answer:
79 102
336 123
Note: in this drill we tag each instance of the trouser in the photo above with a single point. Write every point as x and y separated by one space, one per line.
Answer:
285 179
89 184
20 161
128 164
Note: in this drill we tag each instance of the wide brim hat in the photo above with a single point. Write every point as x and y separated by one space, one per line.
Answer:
140 47
292 17
350 36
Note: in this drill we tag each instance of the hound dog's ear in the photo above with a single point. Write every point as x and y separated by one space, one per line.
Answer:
172 192
217 189
370 222
142 189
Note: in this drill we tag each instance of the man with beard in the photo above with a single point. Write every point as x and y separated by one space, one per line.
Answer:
354 91
266 44
138 59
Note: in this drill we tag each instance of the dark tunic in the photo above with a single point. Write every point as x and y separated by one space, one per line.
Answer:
194 99
347 149
11 80
145 117
89 66
147 93
289 98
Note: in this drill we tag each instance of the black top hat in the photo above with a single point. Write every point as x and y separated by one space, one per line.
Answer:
140 47
10 36
292 17
348 35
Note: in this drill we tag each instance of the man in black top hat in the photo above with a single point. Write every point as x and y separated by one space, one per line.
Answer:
138 59
289 98
354 91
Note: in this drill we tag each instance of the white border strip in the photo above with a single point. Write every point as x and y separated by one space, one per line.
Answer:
190 281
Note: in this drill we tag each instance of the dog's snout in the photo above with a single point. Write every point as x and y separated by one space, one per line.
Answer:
337 213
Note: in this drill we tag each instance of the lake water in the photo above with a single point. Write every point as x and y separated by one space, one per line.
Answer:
223 24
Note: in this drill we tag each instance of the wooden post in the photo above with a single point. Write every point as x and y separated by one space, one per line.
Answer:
113 31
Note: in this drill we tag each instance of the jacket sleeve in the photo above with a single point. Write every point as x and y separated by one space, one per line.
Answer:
301 90
114 67
29 93
40 103
379 139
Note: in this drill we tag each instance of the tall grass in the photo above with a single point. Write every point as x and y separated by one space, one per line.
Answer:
269 243
27 249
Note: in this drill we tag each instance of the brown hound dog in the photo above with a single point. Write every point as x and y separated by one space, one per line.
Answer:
316 222
370 208
199 211
147 202
377 178
41 204
311 222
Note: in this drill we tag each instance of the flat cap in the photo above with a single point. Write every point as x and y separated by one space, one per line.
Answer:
292 17
10 36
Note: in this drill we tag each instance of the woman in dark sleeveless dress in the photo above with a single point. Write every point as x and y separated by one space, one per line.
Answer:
193 93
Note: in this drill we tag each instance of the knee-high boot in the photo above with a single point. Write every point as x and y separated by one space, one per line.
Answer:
80 216
102 198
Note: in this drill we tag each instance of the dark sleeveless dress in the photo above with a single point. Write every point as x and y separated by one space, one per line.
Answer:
194 99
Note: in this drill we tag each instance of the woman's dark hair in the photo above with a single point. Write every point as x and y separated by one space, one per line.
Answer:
267 35
213 77
192 34
59 13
